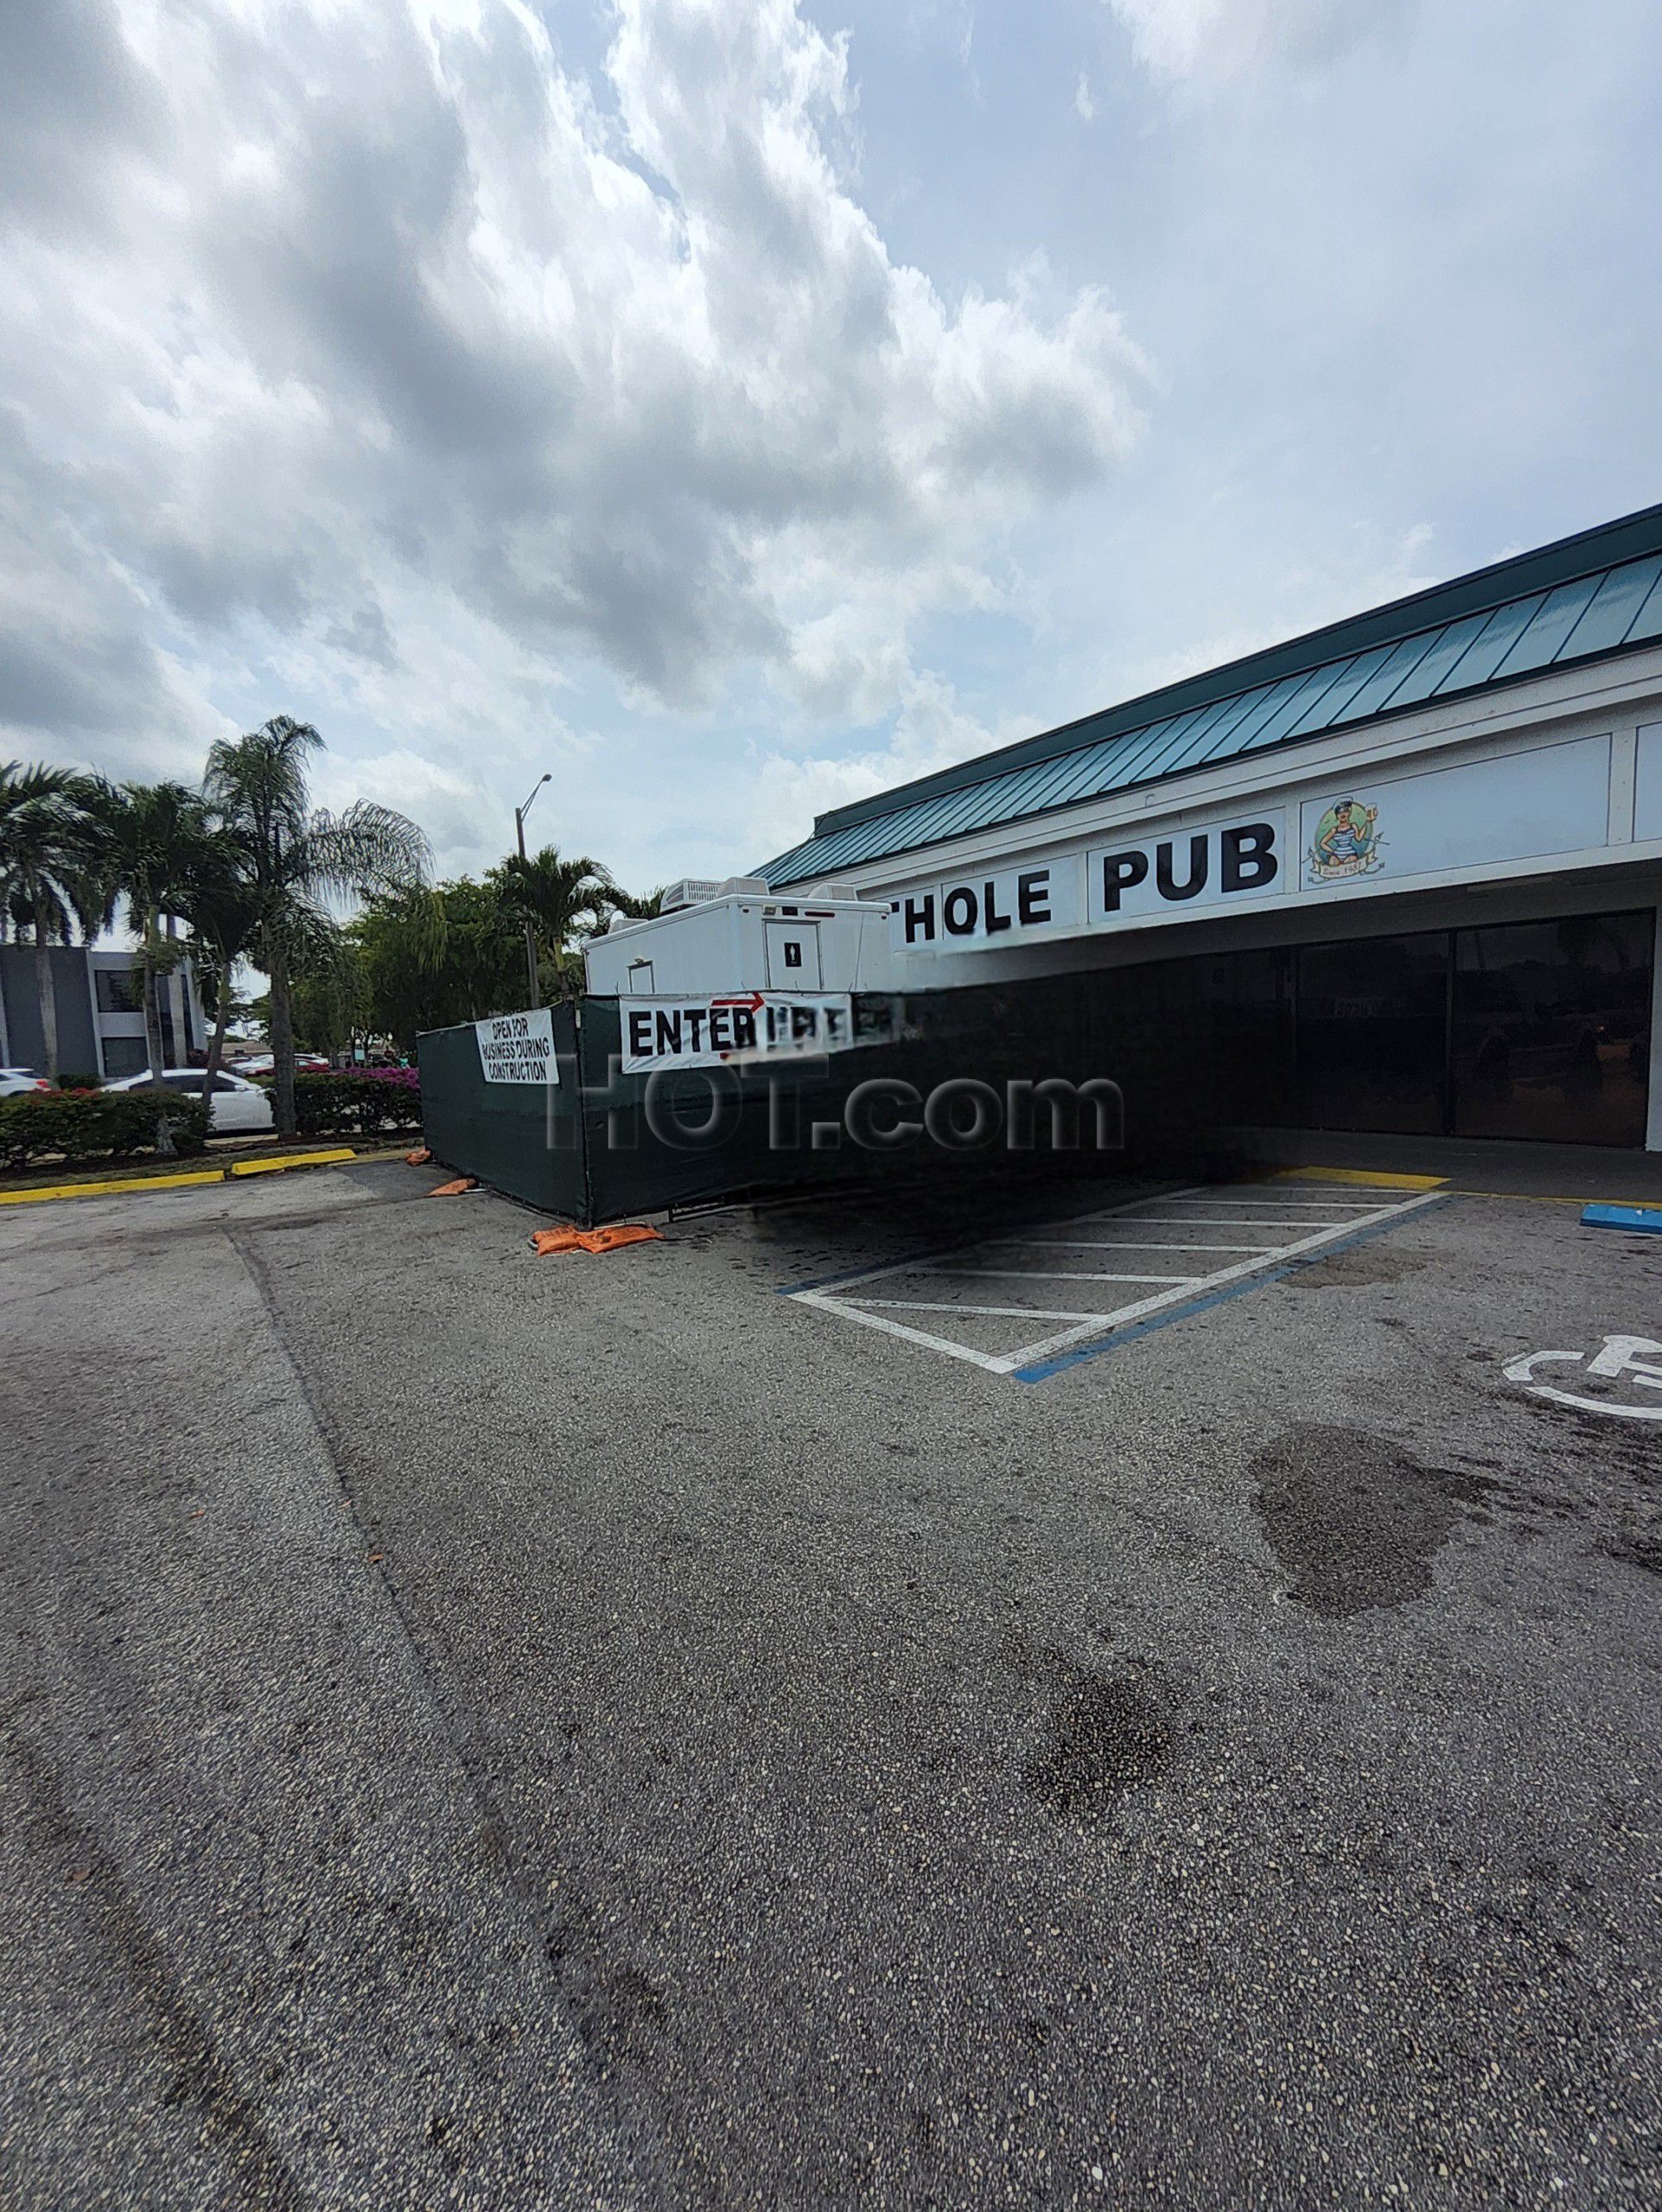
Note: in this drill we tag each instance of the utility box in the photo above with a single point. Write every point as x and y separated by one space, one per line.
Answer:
744 939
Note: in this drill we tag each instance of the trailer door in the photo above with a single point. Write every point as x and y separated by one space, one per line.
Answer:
792 955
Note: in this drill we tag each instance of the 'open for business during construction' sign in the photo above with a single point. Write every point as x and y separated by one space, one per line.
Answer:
519 1047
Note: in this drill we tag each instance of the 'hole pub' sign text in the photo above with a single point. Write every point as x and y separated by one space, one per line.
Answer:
1100 889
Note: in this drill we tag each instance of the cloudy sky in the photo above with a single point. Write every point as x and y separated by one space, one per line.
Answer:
734 405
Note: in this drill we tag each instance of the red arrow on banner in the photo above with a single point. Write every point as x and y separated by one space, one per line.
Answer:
754 1002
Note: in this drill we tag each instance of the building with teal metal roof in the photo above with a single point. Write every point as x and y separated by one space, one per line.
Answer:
1419 853
1581 600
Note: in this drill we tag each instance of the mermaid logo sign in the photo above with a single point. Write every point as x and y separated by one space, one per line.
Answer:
1346 842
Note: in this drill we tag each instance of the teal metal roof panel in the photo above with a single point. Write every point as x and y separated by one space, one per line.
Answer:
1378 694
1614 607
1543 636
1595 595
1648 623
1483 657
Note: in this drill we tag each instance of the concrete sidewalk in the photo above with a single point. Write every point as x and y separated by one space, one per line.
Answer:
1567 1171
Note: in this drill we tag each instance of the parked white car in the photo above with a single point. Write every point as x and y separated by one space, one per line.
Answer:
14 1082
239 1108
263 1064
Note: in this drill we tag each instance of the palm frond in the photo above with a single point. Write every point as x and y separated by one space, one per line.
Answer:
634 909
257 785
559 898
147 845
305 932
46 850
363 850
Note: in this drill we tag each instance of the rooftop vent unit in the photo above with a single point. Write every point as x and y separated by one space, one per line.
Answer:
697 891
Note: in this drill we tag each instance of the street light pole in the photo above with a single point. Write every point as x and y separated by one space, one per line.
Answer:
519 814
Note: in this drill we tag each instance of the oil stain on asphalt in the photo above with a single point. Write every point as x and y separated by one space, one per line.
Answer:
1362 1266
1356 1521
1103 1735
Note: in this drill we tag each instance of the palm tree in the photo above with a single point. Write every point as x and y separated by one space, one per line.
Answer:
560 900
296 857
154 844
45 873
619 903
219 906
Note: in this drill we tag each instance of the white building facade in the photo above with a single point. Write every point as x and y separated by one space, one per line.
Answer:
1420 852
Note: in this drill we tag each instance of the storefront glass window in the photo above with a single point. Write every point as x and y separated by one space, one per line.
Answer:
1535 1029
1372 1034
1247 1002
1551 1029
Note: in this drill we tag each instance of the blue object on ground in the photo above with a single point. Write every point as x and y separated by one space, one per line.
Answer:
1644 1217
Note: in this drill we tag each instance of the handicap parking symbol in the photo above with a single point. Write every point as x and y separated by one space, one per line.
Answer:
1629 1362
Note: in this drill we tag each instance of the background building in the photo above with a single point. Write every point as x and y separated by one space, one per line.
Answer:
100 1018
1411 863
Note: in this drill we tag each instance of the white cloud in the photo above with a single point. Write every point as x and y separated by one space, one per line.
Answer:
1084 106
931 731
363 357
1212 40
443 800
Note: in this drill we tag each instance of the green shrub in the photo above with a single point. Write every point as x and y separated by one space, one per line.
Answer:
83 1125
79 1082
356 1105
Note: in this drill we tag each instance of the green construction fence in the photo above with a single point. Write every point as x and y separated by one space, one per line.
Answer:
599 1145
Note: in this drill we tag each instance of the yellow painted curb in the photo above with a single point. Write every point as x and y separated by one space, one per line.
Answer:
293 1159
103 1189
195 1175
1358 1175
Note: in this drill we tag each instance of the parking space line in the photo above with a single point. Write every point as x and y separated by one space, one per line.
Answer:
1118 1244
850 1309
917 1260
1224 1276
1259 1194
1305 1236
950 1305
1225 1221
1335 1206
1062 1275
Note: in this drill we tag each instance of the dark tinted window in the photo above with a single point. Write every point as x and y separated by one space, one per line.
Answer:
118 990
1371 1033
1247 1005
1551 1029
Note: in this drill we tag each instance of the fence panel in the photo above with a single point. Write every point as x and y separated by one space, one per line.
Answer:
523 1139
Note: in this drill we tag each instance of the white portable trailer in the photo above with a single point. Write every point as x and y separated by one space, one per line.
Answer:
738 936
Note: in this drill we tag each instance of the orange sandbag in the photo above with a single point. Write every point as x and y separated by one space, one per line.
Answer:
419 1158
626 1232
555 1239
593 1240
454 1190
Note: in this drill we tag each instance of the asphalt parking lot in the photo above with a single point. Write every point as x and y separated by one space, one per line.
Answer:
481 1730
